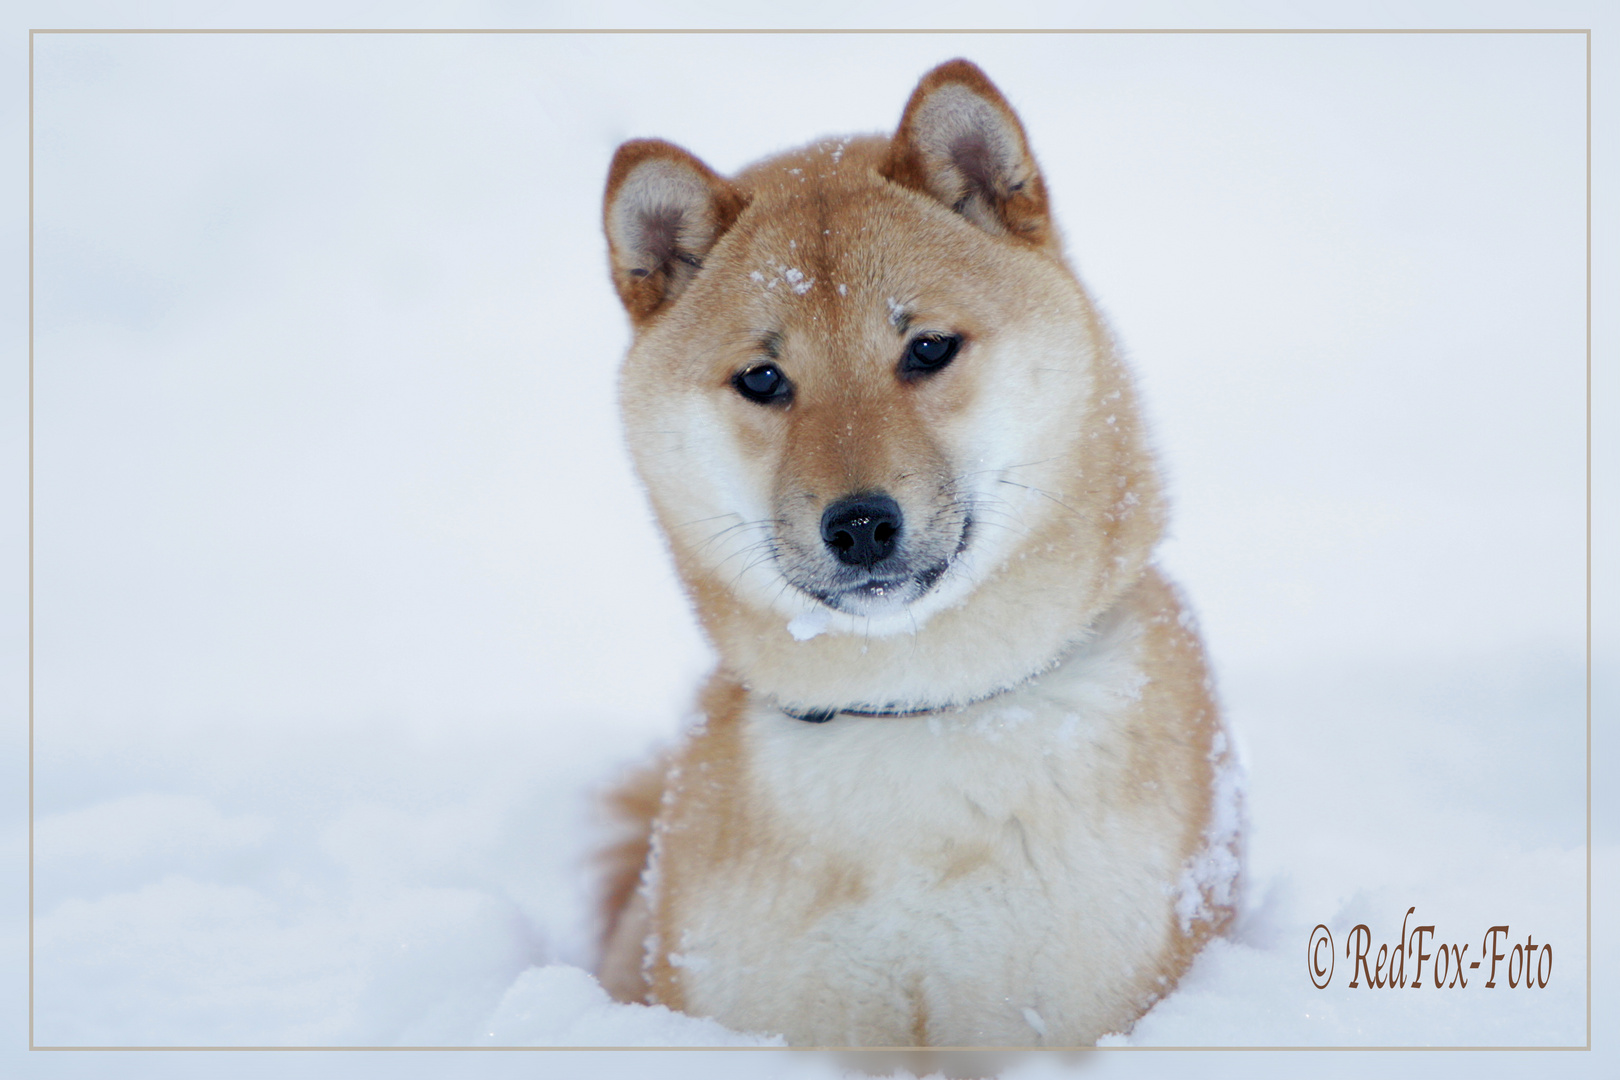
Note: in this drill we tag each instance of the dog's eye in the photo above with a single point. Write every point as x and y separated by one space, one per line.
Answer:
927 353
765 384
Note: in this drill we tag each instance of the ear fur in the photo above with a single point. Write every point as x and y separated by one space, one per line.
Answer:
961 143
664 209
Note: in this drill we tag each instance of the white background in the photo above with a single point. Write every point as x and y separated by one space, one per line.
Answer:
346 599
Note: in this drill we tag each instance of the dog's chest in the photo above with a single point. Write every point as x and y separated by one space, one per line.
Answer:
900 873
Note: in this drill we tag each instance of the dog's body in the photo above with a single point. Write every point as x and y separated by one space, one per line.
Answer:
960 778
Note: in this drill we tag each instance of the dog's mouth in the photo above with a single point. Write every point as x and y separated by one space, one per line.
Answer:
882 594
887 587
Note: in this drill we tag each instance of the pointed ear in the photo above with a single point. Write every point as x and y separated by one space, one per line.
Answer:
663 211
961 143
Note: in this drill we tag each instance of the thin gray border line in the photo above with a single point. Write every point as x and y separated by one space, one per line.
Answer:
1586 32
916 31
886 1050
1589 539
801 30
30 541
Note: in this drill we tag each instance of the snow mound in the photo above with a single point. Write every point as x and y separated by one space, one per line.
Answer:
560 1005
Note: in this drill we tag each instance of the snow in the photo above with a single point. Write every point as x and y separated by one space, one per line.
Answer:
559 1005
347 607
796 278
808 624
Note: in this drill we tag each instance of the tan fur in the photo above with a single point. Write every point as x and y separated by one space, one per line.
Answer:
1040 628
631 806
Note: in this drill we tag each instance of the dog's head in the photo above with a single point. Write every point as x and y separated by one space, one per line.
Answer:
878 418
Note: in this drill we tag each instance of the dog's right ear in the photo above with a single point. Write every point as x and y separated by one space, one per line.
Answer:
663 211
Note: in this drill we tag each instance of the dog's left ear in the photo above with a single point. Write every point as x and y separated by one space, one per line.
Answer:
961 143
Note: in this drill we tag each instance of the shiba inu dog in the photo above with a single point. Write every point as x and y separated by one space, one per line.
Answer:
960 779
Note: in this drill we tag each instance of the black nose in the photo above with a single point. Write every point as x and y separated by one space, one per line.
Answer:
862 529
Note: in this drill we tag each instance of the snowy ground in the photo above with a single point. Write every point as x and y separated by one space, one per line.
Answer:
347 603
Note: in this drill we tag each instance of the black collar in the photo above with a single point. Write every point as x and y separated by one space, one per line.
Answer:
821 716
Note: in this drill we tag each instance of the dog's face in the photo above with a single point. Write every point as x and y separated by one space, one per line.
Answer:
862 374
